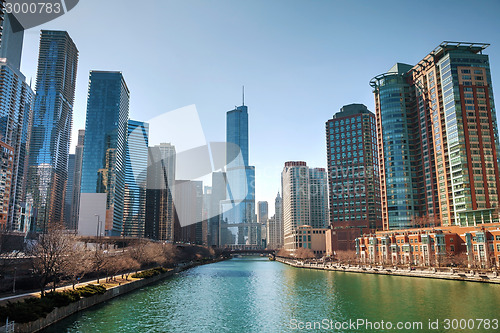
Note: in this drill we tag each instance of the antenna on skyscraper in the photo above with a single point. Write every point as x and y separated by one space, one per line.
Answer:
243 96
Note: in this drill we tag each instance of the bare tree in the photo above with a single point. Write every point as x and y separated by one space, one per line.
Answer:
303 253
80 263
425 221
129 264
50 254
347 257
98 261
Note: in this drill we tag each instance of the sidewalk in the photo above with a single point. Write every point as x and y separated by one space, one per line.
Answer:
20 297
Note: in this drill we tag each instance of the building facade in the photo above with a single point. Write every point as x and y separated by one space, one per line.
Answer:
437 126
354 189
77 181
16 112
303 204
6 168
188 210
136 164
51 127
70 186
275 226
444 246
103 168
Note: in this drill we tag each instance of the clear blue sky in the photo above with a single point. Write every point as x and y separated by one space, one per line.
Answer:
300 61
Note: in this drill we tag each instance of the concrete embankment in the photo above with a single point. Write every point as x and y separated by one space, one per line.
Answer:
421 273
62 312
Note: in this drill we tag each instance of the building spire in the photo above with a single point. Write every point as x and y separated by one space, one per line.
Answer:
243 96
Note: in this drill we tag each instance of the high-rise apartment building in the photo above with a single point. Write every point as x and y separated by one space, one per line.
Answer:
303 204
77 181
354 189
160 214
16 111
103 168
136 164
438 139
238 225
51 129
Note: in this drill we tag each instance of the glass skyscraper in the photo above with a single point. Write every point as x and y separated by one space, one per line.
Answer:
238 225
136 163
52 121
436 122
103 169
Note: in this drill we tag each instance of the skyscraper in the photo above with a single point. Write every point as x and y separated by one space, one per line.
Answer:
318 197
188 210
238 227
275 226
160 214
136 164
353 175
305 202
262 212
103 169
11 40
218 194
77 181
70 186
437 125
52 120
16 111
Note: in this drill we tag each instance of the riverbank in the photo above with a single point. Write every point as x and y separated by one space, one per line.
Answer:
431 273
114 291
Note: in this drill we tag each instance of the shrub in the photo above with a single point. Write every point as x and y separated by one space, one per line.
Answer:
91 290
33 308
149 273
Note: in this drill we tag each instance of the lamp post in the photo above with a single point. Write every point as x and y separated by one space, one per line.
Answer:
98 227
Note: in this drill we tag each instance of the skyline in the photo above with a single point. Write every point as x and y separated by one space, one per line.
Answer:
297 57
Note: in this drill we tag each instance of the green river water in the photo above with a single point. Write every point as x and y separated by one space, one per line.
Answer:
254 294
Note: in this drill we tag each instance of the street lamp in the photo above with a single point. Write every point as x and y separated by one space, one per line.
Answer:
98 226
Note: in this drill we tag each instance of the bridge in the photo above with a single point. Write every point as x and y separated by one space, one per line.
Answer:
233 251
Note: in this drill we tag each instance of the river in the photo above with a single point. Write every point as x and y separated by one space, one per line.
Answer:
254 294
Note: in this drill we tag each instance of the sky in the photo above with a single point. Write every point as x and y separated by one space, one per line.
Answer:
300 61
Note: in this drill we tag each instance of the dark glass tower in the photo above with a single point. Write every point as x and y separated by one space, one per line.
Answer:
52 120
103 169
136 163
